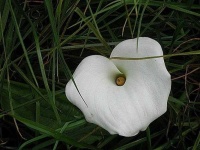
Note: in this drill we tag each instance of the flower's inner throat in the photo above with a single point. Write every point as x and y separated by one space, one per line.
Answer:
120 80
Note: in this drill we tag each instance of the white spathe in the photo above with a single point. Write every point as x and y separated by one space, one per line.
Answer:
127 109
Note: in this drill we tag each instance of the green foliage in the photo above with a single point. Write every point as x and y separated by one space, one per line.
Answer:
41 44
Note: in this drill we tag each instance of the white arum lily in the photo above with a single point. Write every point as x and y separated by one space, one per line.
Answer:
122 96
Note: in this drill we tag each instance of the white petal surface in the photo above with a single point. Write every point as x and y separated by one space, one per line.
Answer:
127 109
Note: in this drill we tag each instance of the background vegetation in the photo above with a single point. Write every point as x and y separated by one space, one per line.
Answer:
42 42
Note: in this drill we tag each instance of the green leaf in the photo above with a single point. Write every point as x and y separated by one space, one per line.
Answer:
52 133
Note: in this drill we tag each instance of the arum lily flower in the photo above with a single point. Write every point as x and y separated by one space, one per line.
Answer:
122 96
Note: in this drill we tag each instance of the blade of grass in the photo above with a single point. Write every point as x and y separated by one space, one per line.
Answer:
61 131
154 18
21 41
56 38
5 65
67 126
140 20
173 5
197 143
92 28
148 135
51 133
94 21
44 144
128 18
136 142
35 139
197 52
28 81
106 141
4 16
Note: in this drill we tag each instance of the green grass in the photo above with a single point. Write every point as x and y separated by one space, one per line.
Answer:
43 42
